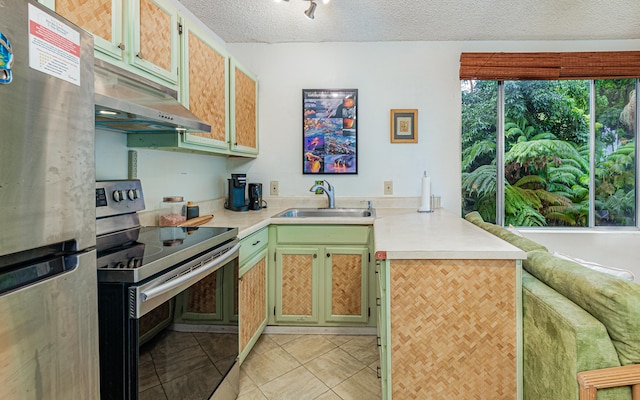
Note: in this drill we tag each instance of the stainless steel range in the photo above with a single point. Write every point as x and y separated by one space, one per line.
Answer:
167 303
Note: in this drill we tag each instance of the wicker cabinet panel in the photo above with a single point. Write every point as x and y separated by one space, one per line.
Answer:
155 35
346 284
156 47
244 110
207 86
253 302
93 15
102 18
297 284
453 329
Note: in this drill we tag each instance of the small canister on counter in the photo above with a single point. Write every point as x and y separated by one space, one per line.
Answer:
193 211
173 211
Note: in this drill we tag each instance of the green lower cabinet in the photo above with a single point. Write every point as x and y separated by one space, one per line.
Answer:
346 284
322 285
297 274
198 305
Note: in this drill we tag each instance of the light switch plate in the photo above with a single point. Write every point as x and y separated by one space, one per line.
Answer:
388 187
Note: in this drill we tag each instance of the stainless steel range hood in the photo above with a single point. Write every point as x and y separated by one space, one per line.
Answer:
128 103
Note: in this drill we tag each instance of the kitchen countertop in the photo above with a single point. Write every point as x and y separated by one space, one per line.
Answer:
399 233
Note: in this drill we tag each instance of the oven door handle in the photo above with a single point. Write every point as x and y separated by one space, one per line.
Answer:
150 293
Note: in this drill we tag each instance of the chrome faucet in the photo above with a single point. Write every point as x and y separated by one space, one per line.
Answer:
328 190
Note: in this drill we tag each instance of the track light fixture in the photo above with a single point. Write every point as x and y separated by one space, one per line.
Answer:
310 12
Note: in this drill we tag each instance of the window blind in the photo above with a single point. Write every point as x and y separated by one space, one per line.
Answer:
550 66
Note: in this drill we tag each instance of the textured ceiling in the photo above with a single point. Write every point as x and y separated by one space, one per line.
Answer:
265 21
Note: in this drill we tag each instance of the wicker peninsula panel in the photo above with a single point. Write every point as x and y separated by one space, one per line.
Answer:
453 329
155 35
207 89
94 16
346 284
245 112
297 284
253 297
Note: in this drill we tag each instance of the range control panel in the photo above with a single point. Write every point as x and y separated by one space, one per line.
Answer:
118 197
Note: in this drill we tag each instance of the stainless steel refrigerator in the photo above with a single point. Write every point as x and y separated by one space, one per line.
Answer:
48 300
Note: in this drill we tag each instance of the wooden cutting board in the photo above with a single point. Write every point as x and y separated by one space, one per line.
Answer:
196 221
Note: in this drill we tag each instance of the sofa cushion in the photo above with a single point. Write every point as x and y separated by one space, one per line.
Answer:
561 339
503 233
619 272
613 301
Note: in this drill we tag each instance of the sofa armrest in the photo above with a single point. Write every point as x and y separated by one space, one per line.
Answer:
591 381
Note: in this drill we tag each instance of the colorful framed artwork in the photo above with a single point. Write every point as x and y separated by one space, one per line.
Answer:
330 131
404 126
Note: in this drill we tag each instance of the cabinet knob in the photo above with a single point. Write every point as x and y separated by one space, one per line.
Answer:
328 255
139 55
315 256
121 46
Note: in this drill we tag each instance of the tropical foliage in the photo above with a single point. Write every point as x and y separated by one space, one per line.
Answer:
546 152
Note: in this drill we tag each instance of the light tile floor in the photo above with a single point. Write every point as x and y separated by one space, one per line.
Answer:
311 367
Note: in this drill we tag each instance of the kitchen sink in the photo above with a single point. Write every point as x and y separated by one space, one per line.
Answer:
327 213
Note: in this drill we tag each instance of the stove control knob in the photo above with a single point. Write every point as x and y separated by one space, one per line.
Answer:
118 196
120 265
132 263
132 194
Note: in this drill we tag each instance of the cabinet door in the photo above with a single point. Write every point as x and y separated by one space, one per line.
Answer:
253 303
102 18
244 110
346 288
202 302
204 86
154 27
297 279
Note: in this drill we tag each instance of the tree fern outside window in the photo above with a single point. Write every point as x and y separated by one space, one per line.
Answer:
561 164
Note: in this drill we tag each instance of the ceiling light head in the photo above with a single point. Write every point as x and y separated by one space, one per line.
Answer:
310 13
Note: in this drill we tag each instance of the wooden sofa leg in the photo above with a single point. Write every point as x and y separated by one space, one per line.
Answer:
591 381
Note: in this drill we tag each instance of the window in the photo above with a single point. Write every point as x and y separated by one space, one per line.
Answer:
566 150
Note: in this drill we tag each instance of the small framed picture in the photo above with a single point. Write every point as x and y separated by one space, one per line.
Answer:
404 126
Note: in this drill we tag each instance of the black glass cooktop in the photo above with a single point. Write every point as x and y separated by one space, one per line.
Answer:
136 254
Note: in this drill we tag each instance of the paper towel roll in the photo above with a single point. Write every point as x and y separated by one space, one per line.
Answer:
425 202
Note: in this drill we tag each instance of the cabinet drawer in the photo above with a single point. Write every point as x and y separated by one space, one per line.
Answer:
252 244
322 234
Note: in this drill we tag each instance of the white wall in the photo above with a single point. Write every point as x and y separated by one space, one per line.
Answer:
162 173
388 75
422 75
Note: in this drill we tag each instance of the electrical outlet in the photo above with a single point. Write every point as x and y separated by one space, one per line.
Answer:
274 188
388 187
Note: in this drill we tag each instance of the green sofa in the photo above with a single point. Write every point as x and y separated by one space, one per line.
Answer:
574 319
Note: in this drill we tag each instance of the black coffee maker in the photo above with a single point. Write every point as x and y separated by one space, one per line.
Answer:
255 196
237 190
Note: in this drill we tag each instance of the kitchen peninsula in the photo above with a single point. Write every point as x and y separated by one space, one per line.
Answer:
449 302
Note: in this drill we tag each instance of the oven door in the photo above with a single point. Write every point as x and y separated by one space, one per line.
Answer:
188 329
174 335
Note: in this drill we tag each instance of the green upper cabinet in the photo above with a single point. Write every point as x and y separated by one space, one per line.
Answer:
140 36
155 46
244 110
204 86
102 18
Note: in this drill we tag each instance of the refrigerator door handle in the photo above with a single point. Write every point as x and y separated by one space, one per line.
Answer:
12 279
